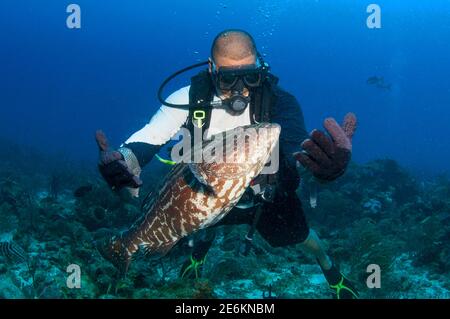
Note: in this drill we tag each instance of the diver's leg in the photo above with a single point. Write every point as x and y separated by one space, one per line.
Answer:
341 286
192 268
314 246
284 223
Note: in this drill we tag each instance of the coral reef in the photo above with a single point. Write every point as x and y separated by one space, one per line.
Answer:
377 213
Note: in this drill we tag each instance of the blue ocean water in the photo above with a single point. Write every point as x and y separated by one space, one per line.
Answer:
59 85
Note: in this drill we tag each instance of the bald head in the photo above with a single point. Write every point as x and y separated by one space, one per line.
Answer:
233 45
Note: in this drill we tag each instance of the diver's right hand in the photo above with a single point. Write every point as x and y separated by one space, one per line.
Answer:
112 166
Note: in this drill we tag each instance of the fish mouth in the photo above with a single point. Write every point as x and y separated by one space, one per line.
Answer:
275 130
274 126
262 147
247 143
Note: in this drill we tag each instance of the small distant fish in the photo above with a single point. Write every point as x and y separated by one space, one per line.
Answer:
378 82
82 191
13 252
374 80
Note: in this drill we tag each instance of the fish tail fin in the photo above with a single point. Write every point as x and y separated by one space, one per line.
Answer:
115 251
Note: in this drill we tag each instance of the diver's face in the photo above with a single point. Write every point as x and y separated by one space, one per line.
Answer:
224 61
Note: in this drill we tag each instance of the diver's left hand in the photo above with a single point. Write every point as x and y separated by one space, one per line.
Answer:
328 156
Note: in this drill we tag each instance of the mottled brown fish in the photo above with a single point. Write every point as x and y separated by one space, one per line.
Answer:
196 195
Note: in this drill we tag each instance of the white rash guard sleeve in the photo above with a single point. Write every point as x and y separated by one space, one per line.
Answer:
166 122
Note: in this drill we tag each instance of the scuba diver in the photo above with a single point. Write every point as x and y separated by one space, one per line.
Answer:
237 89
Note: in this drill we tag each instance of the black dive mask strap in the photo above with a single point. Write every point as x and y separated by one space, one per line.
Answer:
170 78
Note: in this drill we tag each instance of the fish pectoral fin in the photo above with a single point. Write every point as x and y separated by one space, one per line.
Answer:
194 168
198 183
210 190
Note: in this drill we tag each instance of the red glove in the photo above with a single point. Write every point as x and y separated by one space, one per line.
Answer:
328 156
113 167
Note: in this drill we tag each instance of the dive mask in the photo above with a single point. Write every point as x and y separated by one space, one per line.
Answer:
235 80
227 78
